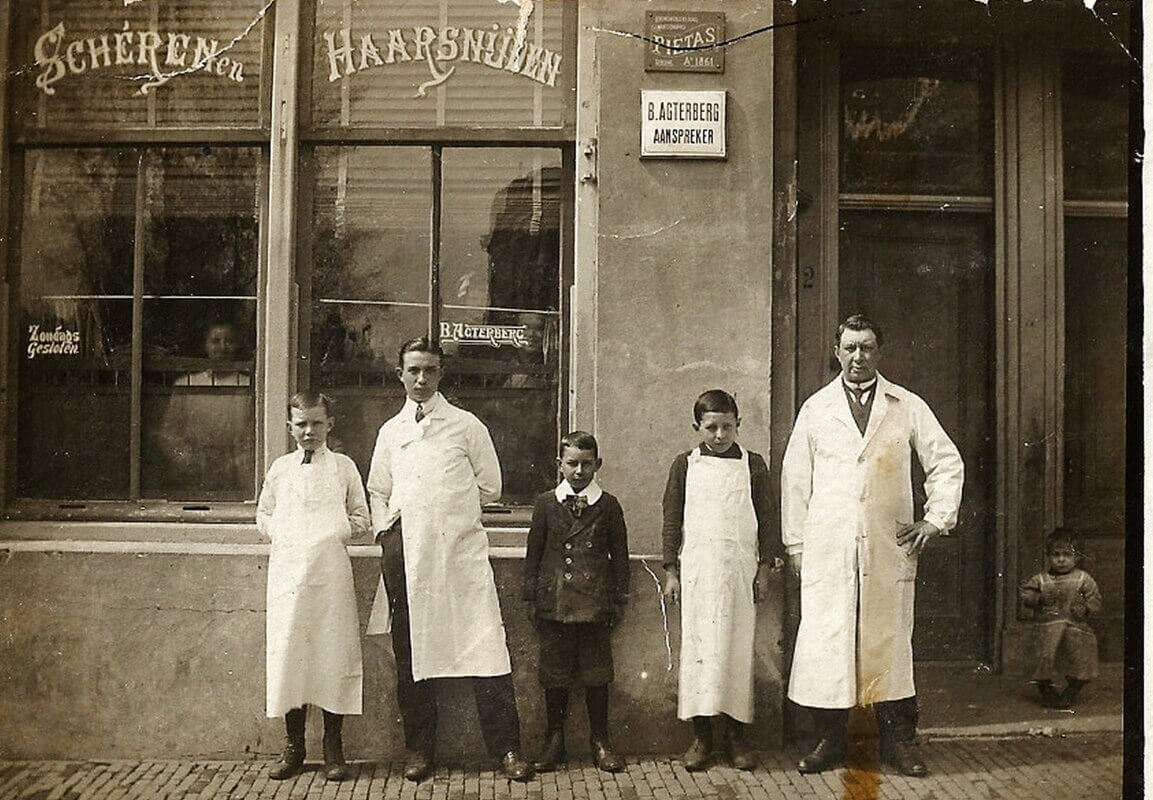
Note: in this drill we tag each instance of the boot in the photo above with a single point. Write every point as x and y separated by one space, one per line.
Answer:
897 724
1049 696
418 765
597 704
1072 689
829 752
334 767
555 709
740 756
293 758
696 758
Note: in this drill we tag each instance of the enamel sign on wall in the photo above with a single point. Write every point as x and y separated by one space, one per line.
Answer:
683 124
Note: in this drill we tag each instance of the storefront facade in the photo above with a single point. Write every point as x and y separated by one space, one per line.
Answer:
210 205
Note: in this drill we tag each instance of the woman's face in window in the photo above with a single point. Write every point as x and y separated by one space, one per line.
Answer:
220 343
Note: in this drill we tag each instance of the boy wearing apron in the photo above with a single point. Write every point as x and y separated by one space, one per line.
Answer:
311 505
719 550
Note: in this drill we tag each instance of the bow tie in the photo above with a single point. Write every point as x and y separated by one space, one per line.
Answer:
576 503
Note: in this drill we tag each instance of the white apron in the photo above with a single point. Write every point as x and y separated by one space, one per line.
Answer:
454 615
718 567
313 637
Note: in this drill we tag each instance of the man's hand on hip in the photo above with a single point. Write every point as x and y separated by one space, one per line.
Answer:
914 537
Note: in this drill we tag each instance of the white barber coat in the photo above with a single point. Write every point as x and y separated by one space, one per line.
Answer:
844 496
434 475
310 511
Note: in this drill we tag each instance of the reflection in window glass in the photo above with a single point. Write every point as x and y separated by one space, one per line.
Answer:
500 297
79 264
915 126
75 324
499 284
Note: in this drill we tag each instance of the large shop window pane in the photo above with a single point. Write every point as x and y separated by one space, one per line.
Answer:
145 64
199 323
80 266
500 301
426 63
371 210
1095 123
75 329
915 125
1096 262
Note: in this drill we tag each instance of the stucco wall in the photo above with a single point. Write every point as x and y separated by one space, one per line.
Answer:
678 269
156 655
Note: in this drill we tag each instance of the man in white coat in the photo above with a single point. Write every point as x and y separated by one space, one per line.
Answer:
847 526
433 466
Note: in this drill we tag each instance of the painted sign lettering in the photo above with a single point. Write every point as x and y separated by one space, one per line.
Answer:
58 342
684 41
164 54
492 335
506 51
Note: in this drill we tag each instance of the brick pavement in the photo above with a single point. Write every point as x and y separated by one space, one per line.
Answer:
1074 766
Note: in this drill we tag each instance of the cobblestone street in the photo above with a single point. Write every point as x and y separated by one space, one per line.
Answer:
1072 766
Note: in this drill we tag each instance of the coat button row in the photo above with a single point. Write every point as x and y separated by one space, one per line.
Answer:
568 561
568 545
568 576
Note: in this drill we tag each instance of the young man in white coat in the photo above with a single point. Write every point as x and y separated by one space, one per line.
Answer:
433 466
847 526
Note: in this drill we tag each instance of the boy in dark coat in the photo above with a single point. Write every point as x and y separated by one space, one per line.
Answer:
576 582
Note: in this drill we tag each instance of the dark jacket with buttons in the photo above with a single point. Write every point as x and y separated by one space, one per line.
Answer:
577 567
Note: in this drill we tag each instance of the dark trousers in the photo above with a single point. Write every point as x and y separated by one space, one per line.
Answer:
495 700
896 720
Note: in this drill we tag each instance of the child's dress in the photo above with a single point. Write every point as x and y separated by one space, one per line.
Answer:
1066 647
310 511
718 567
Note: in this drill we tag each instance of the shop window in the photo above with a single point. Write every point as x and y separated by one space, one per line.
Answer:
136 292
915 125
484 277
432 63
142 64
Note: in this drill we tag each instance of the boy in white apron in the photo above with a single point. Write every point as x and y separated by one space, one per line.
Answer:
1062 598
719 550
311 505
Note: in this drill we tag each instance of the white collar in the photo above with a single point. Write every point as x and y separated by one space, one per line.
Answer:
317 453
861 387
591 493
429 406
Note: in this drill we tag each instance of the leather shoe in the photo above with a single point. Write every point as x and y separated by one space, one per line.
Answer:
289 763
334 767
514 767
419 766
902 756
554 753
696 758
740 756
604 758
828 754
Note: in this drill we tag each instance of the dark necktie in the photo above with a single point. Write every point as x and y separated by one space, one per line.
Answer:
858 394
307 457
858 405
576 503
419 412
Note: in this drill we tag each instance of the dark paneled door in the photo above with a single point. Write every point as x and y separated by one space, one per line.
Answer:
927 279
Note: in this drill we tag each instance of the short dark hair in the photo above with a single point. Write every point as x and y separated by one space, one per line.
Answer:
715 400
578 440
1062 536
418 344
859 322
302 401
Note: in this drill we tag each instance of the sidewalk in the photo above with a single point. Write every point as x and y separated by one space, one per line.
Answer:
1020 768
982 736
